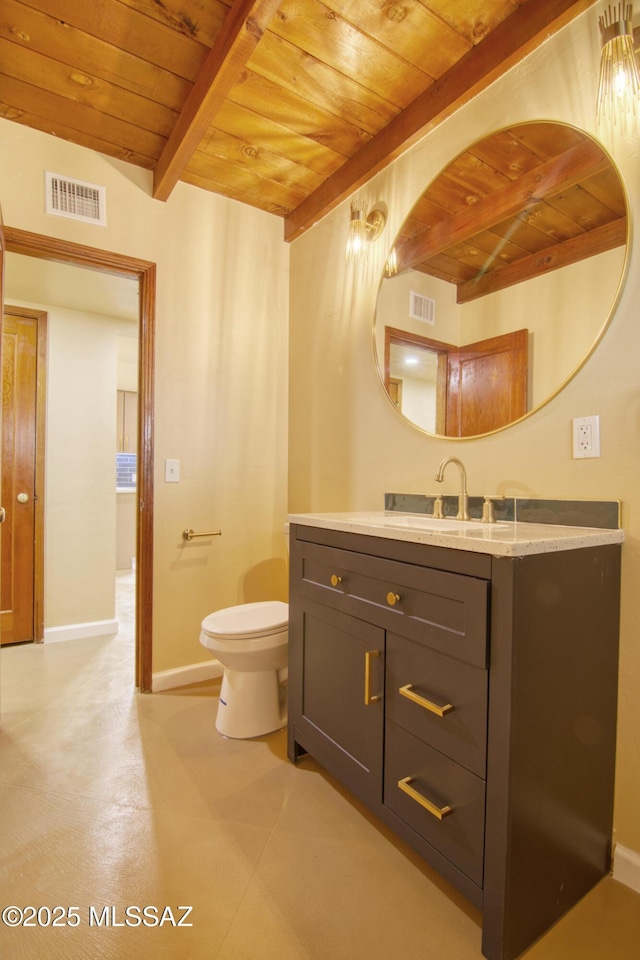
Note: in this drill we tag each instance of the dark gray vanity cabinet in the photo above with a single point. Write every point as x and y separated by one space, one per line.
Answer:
470 702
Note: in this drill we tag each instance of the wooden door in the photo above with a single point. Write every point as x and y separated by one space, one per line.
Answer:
19 417
487 384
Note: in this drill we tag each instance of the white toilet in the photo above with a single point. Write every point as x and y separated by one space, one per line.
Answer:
250 641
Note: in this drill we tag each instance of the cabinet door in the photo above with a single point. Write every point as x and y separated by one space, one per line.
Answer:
127 416
130 444
120 421
338 664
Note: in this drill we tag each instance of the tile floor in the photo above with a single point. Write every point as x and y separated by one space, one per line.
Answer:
114 799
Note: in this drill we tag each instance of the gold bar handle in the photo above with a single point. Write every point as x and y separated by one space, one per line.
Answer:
439 812
369 698
408 692
188 534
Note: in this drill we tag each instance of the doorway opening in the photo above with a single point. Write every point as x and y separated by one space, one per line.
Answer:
49 248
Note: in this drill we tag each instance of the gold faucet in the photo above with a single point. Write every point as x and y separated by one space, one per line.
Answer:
463 499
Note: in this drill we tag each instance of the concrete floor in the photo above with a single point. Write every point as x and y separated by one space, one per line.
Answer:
109 798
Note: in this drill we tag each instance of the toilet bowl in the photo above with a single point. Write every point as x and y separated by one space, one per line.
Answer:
250 641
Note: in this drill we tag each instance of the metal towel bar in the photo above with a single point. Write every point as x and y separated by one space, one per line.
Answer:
188 534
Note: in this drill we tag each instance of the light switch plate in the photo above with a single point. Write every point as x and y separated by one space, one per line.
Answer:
172 471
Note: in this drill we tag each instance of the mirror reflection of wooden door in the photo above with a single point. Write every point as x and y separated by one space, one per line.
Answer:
19 583
487 384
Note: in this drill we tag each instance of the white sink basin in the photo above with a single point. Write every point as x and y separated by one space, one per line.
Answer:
419 522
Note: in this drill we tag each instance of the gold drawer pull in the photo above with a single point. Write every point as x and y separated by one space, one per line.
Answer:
368 697
335 580
439 812
408 692
393 598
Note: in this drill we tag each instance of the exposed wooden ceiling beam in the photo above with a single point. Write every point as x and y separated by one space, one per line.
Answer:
585 245
560 173
243 27
533 23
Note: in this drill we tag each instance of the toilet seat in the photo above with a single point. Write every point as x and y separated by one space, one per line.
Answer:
247 621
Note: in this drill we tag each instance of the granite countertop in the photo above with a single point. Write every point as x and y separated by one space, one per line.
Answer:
502 538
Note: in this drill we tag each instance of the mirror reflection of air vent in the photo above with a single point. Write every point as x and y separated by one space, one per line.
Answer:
75 199
422 308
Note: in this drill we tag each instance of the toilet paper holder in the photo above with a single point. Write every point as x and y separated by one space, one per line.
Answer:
188 534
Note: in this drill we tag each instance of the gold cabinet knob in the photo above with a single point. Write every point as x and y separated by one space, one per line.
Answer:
335 580
393 598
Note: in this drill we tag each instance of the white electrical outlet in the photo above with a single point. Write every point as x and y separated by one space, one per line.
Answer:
172 471
586 437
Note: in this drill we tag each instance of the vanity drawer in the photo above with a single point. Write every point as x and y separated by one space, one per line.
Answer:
441 700
444 611
439 799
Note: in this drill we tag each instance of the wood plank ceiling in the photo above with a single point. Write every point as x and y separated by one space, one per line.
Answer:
286 105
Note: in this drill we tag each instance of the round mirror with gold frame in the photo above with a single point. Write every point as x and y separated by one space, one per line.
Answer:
502 279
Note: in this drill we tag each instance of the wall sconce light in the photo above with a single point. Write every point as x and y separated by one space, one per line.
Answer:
363 229
619 87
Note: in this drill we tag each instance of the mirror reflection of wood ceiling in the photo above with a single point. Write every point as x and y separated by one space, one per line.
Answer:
517 204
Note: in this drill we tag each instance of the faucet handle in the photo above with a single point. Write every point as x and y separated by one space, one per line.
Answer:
488 515
438 508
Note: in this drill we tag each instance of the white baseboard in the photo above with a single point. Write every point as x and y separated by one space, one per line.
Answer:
182 676
626 867
81 631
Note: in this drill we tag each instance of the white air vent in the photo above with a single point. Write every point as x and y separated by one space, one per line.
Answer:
422 308
75 199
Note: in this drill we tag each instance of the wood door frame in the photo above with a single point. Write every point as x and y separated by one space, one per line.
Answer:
40 317
144 271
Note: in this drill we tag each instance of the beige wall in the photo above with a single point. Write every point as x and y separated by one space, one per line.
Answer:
80 518
127 373
348 445
221 373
